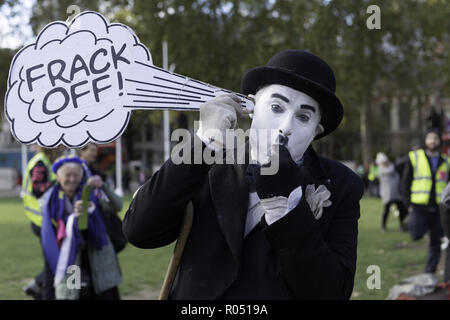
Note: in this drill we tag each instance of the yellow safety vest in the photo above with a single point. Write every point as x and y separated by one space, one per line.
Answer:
422 181
30 202
373 173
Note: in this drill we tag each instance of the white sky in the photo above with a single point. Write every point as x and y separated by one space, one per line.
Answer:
16 31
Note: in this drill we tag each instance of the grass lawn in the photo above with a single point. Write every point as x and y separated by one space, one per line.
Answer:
393 252
144 270
21 258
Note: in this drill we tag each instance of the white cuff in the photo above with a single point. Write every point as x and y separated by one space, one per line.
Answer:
211 144
276 208
294 198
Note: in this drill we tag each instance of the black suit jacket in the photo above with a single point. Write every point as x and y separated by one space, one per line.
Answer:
304 258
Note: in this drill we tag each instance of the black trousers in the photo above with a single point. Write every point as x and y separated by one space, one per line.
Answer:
45 277
400 206
39 279
422 220
48 290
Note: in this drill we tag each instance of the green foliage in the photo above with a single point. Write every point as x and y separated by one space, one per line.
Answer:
6 56
216 41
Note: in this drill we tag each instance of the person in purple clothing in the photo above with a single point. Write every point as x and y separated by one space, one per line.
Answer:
69 243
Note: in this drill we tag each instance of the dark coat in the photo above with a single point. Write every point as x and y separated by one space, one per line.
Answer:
297 257
444 209
407 178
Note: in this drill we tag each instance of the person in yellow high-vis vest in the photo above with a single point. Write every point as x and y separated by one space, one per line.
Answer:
424 179
37 179
374 183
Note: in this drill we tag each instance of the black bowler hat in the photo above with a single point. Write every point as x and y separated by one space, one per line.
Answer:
305 72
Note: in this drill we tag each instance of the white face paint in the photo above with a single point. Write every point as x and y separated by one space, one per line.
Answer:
286 110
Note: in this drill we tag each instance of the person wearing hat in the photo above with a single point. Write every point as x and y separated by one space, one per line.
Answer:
68 242
288 235
424 178
390 190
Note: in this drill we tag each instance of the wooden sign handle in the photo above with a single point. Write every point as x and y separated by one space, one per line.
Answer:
177 252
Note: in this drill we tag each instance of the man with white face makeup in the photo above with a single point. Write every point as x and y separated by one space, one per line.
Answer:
288 235
290 112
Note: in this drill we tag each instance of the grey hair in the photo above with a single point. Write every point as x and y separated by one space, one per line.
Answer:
70 165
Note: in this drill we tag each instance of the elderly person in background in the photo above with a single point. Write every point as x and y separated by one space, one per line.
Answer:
67 241
390 190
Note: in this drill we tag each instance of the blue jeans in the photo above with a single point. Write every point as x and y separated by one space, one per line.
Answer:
423 220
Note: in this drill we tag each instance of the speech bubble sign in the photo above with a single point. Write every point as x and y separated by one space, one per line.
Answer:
80 81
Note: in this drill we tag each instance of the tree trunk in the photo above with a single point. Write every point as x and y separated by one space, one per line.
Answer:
366 134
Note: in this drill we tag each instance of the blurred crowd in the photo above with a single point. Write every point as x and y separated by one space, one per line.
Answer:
415 187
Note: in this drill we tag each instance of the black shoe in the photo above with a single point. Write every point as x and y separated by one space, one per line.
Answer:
32 289
404 227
